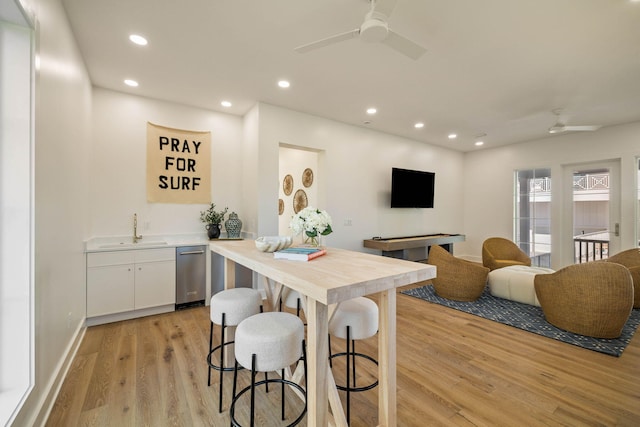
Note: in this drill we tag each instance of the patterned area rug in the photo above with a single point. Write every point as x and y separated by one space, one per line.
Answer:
530 318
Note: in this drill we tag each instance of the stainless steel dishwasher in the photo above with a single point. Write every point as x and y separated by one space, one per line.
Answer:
191 271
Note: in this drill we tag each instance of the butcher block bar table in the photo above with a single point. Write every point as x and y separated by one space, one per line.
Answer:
325 281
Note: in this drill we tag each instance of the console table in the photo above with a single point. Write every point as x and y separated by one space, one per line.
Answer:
413 248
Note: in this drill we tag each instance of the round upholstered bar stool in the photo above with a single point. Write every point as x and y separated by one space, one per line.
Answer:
354 319
228 308
268 342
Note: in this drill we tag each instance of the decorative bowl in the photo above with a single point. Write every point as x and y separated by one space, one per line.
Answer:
273 243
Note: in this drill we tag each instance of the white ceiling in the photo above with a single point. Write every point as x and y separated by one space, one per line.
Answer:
494 67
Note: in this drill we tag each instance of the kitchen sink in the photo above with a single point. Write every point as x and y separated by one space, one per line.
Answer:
131 245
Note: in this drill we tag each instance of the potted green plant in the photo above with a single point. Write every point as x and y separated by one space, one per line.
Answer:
213 219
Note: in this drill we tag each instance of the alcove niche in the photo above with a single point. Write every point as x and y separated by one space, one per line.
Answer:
299 175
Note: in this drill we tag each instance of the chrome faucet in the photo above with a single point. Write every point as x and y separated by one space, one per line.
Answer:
135 229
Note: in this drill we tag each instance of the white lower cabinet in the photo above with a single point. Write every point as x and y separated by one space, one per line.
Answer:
110 289
122 281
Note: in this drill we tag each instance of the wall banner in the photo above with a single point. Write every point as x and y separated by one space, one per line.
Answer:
178 165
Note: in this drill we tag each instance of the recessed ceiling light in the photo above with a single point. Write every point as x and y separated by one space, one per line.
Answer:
131 83
479 143
137 39
284 84
452 136
419 125
371 110
226 104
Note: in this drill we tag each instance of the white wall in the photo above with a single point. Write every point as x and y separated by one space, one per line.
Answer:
62 140
488 183
250 172
118 165
355 168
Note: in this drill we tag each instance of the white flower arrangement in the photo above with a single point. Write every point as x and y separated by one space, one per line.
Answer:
313 222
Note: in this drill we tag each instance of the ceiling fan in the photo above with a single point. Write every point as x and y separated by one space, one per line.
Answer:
374 29
560 127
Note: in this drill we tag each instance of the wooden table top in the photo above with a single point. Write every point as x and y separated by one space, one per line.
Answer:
337 276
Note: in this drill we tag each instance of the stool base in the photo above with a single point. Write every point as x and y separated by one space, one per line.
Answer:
251 388
362 388
266 382
351 355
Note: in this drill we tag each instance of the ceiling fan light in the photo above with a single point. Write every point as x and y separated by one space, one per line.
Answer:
373 30
138 39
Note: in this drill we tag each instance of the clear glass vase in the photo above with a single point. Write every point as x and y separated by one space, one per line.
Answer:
315 242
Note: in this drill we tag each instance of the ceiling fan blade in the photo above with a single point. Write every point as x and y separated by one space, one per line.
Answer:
383 7
559 128
327 41
404 45
582 128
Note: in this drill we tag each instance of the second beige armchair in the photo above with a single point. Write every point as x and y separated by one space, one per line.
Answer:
593 298
498 252
456 278
630 259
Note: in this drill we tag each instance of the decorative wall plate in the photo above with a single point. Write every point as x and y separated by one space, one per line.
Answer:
300 201
307 177
280 206
287 185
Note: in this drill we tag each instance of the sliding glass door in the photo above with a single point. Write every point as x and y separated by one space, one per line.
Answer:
532 218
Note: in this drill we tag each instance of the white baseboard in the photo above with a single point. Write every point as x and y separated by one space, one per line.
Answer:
471 258
127 315
51 390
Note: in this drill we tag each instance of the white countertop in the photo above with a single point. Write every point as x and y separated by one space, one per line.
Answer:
122 243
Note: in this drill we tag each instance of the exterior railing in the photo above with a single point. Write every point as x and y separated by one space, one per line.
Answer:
540 185
591 247
591 182
586 182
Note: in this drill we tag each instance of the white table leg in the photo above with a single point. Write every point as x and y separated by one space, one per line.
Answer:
230 332
387 359
317 366
273 294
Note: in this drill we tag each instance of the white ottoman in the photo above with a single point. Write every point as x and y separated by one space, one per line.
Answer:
516 283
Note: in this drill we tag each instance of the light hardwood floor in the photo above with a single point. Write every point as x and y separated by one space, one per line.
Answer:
453 369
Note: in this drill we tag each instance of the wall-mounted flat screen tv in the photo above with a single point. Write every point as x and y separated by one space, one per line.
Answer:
412 188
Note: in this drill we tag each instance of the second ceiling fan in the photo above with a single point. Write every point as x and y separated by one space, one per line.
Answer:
560 127
373 29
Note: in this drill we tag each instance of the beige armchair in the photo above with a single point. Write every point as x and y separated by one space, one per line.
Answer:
498 252
630 259
593 299
457 279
